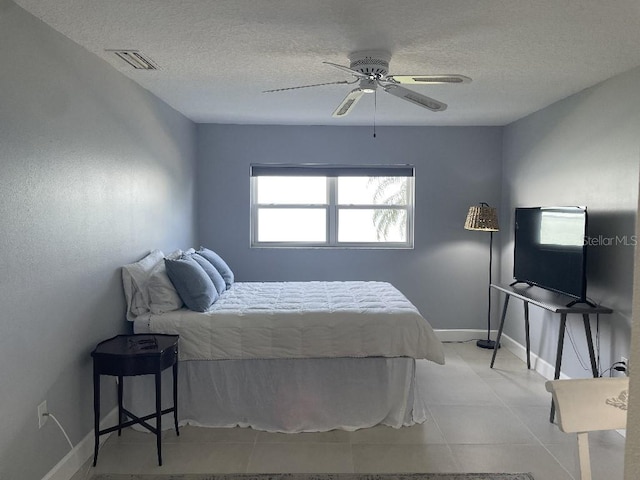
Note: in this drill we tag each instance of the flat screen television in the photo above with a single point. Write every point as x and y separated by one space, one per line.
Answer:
550 249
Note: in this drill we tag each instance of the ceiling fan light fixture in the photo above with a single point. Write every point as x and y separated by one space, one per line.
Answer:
368 85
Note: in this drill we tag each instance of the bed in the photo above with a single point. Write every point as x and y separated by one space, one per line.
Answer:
291 356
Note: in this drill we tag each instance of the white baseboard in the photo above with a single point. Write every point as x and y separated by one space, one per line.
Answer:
78 456
541 366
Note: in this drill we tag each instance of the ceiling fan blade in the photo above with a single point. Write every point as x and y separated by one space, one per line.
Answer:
348 103
416 98
353 72
341 82
428 79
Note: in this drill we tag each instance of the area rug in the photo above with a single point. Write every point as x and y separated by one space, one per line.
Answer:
325 476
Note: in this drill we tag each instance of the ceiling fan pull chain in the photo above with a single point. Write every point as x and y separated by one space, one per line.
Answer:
375 107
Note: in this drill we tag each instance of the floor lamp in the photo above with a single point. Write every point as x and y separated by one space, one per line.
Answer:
484 218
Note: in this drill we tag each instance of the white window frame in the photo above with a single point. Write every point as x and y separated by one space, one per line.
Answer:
332 207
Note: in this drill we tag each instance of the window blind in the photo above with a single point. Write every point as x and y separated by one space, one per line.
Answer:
321 170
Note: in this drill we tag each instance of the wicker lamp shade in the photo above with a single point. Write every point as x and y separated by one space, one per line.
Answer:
482 217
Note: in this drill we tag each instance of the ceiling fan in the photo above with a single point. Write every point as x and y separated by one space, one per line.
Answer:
371 69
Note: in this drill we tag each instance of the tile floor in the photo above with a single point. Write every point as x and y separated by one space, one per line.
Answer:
481 420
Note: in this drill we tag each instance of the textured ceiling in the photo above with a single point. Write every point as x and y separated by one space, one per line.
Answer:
215 57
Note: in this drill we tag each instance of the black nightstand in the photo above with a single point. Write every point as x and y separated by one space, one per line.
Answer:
129 355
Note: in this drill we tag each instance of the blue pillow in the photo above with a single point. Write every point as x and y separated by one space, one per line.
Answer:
214 275
192 283
219 263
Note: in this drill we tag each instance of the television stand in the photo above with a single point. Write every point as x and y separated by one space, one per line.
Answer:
577 302
555 303
569 305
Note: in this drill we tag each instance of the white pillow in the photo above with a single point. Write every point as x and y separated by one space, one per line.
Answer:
134 281
162 294
174 255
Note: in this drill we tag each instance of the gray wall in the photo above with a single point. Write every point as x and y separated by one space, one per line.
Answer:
445 275
94 172
583 150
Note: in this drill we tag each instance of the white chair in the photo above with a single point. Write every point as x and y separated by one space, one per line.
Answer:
587 405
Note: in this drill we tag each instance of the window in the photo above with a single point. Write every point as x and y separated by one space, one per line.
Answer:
332 206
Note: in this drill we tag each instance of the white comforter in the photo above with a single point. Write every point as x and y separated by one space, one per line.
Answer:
303 320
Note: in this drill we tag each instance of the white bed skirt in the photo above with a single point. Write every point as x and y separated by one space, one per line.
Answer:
286 395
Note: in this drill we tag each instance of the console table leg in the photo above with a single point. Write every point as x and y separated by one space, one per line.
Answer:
556 375
159 417
526 332
592 355
96 413
504 314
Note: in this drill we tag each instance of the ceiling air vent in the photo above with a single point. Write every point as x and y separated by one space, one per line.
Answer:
136 59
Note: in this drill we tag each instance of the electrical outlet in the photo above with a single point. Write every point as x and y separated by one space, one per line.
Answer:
42 418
